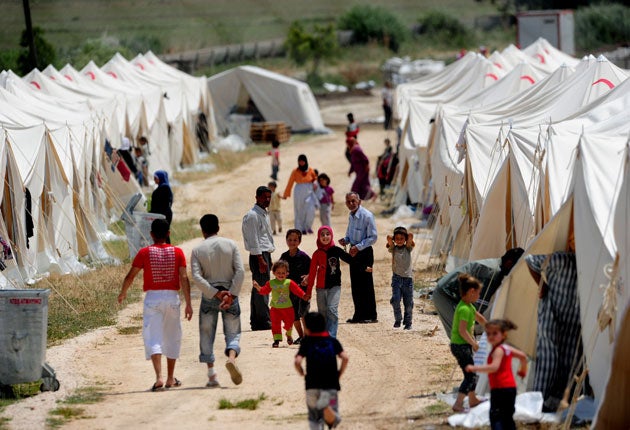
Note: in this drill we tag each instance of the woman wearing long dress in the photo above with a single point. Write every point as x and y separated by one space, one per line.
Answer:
360 165
162 197
304 200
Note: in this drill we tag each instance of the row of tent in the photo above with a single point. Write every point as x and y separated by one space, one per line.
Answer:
524 149
62 187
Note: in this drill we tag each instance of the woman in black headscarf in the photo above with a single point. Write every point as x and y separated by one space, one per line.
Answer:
162 197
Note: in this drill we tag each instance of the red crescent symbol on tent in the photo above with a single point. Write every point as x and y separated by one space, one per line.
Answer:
91 75
498 65
68 77
604 81
492 75
140 65
36 85
528 78
541 58
113 74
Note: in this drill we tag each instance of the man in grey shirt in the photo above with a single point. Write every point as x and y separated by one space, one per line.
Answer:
217 270
259 242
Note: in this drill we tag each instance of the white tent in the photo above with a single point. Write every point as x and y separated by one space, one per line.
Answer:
277 97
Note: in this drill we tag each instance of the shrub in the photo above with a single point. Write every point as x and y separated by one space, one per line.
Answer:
374 23
46 53
314 46
445 30
99 50
602 25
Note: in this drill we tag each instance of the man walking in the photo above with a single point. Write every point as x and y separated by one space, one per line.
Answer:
217 270
164 274
259 242
361 235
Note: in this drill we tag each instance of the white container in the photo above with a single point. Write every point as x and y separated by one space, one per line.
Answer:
138 230
23 335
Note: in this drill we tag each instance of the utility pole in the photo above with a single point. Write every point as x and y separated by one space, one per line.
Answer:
29 33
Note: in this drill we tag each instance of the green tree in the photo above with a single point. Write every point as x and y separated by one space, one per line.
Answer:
46 53
370 23
315 46
441 29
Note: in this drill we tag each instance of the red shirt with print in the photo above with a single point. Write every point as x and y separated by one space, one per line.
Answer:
160 265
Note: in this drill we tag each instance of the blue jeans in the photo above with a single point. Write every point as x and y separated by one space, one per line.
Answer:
328 305
402 287
208 320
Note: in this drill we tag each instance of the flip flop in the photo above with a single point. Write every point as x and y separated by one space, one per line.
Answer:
235 374
157 387
177 383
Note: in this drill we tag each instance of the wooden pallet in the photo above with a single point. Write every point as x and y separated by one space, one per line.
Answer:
264 132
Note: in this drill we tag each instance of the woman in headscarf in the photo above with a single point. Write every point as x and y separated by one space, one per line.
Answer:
162 197
304 199
360 165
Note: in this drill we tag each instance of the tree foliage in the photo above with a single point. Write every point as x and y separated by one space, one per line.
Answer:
602 25
444 30
46 53
370 23
315 46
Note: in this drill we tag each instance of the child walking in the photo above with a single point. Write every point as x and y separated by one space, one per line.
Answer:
281 311
275 159
400 246
299 265
463 343
500 377
325 274
322 375
326 201
275 208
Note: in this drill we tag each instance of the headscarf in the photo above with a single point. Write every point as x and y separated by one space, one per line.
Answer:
162 176
321 245
303 168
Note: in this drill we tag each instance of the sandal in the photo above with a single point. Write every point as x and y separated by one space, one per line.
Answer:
155 387
177 383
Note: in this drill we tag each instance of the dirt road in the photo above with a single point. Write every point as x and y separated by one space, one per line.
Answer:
390 371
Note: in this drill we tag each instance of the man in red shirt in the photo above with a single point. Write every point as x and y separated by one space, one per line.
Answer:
164 268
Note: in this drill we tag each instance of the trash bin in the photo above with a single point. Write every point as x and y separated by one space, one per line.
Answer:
138 230
23 335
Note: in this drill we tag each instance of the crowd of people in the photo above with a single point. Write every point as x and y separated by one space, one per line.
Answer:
282 303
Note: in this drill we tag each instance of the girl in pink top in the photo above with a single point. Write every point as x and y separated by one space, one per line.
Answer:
499 370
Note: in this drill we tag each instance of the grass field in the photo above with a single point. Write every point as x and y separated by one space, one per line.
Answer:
193 24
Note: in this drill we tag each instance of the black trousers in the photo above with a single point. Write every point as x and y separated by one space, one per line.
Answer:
362 285
259 304
502 408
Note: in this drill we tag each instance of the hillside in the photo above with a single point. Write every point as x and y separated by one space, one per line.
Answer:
195 24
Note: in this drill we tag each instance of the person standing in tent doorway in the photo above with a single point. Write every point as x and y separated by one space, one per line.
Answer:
162 197
275 159
558 348
352 131
258 240
360 236
304 179
164 274
387 95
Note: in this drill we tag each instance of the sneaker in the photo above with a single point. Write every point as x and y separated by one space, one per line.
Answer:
407 326
297 341
397 324
213 382
235 374
289 340
275 344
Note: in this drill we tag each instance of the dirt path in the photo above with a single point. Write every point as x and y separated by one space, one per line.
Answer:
390 371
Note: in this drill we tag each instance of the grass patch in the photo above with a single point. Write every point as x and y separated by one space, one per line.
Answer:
68 411
184 230
248 404
85 396
134 329
62 415
438 408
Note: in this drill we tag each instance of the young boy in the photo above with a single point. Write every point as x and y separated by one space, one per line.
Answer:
275 210
322 375
400 246
299 264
